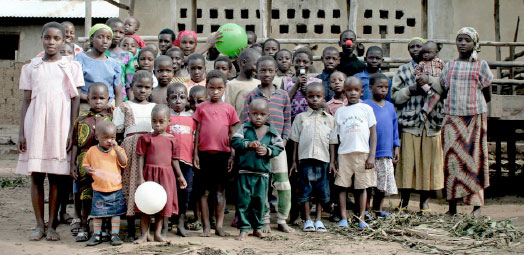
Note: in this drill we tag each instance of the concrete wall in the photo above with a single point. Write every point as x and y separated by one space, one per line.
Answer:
10 95
403 19
30 39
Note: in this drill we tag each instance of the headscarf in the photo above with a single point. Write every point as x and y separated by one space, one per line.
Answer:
183 33
416 38
97 27
139 41
471 32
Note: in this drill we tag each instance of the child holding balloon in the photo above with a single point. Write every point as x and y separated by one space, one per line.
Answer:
157 158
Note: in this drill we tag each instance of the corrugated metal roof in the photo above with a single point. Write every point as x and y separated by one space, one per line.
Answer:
55 9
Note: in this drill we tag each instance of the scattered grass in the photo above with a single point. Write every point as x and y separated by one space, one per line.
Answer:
12 182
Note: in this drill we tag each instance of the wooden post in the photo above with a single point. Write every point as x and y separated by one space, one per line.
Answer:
496 15
424 17
352 15
131 7
194 15
172 8
263 18
87 22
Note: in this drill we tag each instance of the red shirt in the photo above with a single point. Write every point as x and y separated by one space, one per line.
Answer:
215 120
183 129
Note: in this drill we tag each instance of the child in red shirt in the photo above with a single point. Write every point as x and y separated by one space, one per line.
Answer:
212 155
182 126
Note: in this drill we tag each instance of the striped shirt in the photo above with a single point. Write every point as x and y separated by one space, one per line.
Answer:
279 109
464 81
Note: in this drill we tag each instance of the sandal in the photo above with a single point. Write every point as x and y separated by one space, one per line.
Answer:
195 226
362 225
308 226
424 211
82 237
368 216
76 226
382 214
343 224
319 226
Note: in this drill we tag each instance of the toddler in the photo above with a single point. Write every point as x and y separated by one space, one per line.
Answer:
431 65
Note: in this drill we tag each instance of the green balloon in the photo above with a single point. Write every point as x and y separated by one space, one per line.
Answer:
234 38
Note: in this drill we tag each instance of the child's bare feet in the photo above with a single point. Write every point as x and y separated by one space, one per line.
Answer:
285 228
206 232
181 231
221 232
141 239
37 235
242 236
259 234
159 238
266 229
52 235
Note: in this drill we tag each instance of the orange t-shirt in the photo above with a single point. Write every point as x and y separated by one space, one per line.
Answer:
190 83
107 176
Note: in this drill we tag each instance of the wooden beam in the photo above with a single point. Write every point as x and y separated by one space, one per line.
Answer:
194 15
87 22
496 14
424 17
117 4
131 7
262 5
352 15
172 11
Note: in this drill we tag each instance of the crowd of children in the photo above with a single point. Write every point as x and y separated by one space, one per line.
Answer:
123 113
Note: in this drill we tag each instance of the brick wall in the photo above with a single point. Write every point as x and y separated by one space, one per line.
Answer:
10 95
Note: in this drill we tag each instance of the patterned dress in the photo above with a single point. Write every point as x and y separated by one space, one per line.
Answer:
134 120
127 64
84 138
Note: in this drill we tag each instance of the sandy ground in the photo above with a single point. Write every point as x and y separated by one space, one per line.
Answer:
17 223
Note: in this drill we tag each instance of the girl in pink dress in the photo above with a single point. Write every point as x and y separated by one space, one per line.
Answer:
157 158
48 111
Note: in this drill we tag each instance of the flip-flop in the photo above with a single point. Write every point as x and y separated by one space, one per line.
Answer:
37 235
76 226
82 237
308 226
383 214
424 211
367 215
362 225
343 224
319 226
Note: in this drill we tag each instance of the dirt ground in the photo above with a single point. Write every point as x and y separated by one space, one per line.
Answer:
17 223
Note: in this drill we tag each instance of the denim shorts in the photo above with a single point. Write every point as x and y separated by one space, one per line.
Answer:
313 181
108 204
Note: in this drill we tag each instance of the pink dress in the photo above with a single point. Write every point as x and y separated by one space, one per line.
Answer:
47 120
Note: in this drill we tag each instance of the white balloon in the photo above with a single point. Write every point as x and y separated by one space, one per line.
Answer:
150 197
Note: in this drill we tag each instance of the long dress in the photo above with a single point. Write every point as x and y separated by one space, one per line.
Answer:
48 117
134 120
159 151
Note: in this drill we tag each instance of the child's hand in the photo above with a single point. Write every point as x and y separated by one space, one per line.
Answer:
262 151
214 38
254 144
182 182
74 171
370 163
396 154
333 168
196 161
422 79
230 163
114 145
22 145
89 170
69 141
293 168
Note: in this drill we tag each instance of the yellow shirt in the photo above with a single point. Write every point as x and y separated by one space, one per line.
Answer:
236 92
107 176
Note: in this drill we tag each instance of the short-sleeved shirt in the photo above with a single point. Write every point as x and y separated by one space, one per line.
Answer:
106 71
215 120
350 64
107 177
352 127
464 81
183 127
298 102
236 92
333 105
312 130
